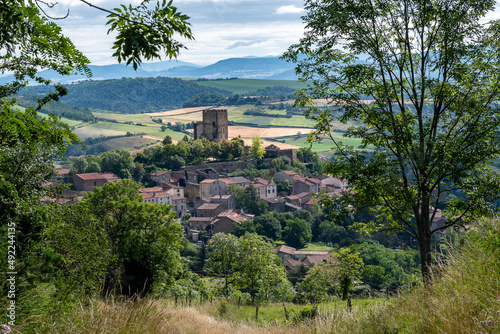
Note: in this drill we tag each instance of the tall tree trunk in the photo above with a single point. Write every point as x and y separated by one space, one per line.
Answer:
424 241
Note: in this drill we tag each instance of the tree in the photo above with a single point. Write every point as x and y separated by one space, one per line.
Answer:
346 268
259 268
222 258
257 150
143 236
296 233
416 81
268 226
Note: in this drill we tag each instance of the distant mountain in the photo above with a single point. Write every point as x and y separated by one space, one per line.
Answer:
245 68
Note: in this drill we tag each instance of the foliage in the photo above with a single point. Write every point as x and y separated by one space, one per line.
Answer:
430 74
297 233
143 236
143 32
347 270
257 150
129 95
248 262
223 258
247 199
205 99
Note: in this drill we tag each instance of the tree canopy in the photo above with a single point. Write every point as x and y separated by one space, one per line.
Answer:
417 80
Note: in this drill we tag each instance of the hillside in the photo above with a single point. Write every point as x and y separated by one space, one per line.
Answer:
129 95
462 299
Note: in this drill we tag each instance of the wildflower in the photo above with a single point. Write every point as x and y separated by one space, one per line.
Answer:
489 322
498 312
5 329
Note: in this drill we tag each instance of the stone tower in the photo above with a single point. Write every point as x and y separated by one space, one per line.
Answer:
213 127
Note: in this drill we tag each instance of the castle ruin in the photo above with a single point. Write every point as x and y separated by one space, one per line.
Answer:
213 127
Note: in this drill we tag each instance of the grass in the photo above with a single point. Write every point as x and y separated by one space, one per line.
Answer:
240 86
113 129
316 247
236 115
463 298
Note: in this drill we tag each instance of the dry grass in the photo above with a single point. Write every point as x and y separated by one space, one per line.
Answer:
250 132
464 298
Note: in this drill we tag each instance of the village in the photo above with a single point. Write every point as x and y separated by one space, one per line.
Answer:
200 194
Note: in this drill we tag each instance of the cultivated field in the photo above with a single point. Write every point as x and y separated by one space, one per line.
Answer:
250 132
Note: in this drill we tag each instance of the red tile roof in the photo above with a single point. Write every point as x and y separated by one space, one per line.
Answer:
98 176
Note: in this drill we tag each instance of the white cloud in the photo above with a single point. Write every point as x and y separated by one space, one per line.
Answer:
290 9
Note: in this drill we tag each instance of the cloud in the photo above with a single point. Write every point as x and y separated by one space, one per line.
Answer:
240 44
290 9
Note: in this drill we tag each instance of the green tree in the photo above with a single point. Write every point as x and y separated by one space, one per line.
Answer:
223 257
316 286
297 233
346 268
417 81
118 161
257 150
143 236
259 268
268 226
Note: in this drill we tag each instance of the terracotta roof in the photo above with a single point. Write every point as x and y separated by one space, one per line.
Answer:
208 181
285 249
292 262
151 190
313 259
209 206
62 171
177 198
312 201
98 176
228 180
147 195
231 214
160 172
200 219
290 172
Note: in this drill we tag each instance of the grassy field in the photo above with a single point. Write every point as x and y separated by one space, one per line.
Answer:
240 86
237 115
316 247
114 129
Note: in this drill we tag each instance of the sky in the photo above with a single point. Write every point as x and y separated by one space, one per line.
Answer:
222 28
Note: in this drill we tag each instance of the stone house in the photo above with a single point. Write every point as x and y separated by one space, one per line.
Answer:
264 187
225 221
304 184
209 210
275 204
299 199
288 175
88 181
213 187
161 177
180 206
227 201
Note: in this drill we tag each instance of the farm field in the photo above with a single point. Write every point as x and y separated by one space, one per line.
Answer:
240 86
250 132
176 112
326 144
116 129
